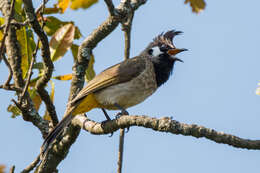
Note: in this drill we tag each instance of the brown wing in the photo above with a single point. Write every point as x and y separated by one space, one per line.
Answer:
119 73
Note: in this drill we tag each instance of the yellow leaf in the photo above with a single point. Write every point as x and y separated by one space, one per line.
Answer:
75 4
52 91
63 77
63 5
2 168
2 21
61 41
90 73
46 115
14 110
52 10
196 5
37 101
258 89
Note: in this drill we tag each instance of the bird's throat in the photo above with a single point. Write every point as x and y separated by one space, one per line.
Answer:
163 67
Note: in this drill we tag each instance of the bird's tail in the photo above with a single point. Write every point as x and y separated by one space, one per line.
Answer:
54 134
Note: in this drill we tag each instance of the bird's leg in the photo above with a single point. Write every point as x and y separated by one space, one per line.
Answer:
106 114
123 112
108 119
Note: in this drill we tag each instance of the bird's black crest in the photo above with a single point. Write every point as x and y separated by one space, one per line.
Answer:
166 38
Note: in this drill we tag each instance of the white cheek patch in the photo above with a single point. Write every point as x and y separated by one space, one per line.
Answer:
156 51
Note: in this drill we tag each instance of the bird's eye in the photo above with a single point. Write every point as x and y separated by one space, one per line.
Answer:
150 51
163 48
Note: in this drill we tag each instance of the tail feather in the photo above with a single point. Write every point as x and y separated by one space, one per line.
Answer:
54 134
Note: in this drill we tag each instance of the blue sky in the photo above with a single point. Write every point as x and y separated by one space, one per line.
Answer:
214 87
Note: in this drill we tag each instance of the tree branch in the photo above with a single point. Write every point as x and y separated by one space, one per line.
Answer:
165 124
47 62
32 165
110 6
9 18
61 147
14 58
121 150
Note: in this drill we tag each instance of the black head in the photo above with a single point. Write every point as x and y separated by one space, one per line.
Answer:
162 53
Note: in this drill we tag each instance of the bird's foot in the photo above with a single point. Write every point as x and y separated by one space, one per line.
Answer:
102 125
123 112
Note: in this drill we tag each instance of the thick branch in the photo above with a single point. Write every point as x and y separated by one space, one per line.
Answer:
165 124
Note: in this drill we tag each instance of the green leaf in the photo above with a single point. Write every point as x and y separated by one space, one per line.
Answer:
74 50
196 5
38 65
53 24
90 73
61 41
25 38
14 110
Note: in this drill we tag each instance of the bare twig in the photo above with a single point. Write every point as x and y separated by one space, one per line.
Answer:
110 6
7 82
32 165
120 150
17 105
41 7
11 88
165 124
7 27
12 169
126 27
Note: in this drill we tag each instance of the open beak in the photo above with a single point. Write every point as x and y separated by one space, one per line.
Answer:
174 52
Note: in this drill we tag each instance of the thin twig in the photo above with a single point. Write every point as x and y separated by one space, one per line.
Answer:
120 150
30 72
12 169
110 6
7 27
7 82
32 165
126 27
11 88
17 104
41 7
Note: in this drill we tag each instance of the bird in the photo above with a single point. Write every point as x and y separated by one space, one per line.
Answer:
123 85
